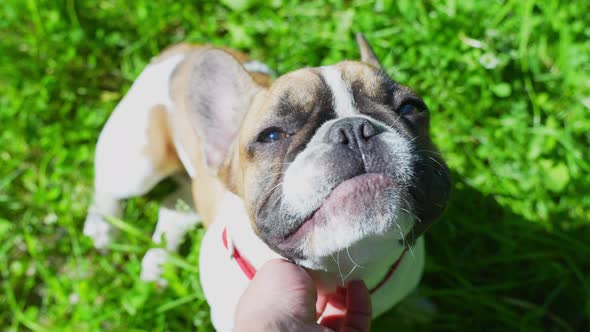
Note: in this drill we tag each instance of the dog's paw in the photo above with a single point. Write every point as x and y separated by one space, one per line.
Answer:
151 266
99 230
173 225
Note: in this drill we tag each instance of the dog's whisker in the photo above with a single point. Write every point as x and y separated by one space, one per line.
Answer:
437 162
405 243
411 250
413 215
273 189
413 140
282 206
337 262
396 120
334 259
352 260
401 233
411 230
437 166
436 153
349 273
408 244
278 198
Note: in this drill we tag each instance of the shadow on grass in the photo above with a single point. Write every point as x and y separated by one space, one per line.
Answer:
490 269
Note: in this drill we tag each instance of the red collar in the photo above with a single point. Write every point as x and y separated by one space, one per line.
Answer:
250 271
246 267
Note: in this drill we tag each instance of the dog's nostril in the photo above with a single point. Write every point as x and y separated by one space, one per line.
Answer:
367 130
342 136
353 132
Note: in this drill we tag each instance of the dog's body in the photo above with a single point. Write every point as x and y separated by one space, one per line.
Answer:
330 167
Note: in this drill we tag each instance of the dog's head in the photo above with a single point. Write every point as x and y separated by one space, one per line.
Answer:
326 159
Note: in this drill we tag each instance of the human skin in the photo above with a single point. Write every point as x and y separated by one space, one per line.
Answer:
283 297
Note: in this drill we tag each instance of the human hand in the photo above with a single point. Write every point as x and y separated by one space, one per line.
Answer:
282 297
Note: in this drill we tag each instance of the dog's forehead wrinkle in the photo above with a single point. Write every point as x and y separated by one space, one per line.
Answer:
302 91
284 106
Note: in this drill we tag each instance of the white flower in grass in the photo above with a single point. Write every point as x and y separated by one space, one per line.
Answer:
489 60
492 33
50 219
472 42
74 298
31 271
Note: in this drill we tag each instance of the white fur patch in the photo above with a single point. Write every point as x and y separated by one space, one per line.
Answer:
257 67
233 214
151 266
173 225
185 160
99 230
122 167
222 279
343 99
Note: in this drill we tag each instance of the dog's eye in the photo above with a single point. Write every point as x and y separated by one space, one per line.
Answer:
271 135
409 109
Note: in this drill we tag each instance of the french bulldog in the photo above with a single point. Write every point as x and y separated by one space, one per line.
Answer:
332 168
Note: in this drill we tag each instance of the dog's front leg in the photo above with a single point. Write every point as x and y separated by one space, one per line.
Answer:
173 223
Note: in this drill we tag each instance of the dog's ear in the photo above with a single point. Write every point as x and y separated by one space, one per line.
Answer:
220 93
367 54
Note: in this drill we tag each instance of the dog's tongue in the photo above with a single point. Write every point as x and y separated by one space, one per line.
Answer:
352 196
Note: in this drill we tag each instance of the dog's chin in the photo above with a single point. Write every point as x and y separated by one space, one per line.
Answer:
363 207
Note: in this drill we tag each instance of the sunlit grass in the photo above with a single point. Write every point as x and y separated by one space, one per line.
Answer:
508 83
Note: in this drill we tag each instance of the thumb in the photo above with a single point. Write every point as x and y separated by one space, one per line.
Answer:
282 296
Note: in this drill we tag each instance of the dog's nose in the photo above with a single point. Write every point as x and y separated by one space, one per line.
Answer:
354 132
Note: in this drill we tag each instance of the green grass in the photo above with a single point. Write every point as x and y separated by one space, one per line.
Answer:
508 83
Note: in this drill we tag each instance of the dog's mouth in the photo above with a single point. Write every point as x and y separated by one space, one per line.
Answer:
350 196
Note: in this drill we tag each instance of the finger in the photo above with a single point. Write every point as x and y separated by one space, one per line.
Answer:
321 303
290 286
335 310
358 308
284 276
279 289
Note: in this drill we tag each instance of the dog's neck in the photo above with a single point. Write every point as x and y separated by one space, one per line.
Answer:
239 232
328 274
